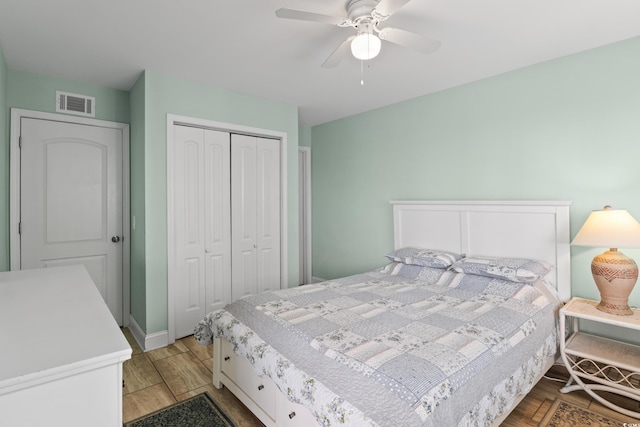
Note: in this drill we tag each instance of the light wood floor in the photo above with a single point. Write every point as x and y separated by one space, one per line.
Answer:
161 377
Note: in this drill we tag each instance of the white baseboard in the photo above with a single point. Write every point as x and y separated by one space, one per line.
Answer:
148 342
136 331
156 340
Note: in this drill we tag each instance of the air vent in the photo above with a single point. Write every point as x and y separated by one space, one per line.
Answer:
75 104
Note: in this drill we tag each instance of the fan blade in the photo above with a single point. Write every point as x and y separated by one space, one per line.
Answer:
410 40
309 16
386 8
341 51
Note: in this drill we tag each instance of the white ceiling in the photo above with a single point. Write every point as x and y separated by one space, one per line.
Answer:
240 45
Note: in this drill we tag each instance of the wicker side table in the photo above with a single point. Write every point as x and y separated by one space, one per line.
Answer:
596 363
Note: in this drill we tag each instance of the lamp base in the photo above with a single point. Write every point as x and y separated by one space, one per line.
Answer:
617 309
615 275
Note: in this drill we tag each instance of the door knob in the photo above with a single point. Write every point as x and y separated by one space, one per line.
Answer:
115 239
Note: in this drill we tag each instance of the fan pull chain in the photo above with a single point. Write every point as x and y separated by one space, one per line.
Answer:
361 73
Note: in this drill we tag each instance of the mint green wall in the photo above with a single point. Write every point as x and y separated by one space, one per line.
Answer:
37 92
567 129
304 133
137 97
4 166
165 94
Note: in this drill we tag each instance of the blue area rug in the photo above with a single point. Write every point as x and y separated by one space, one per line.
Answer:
197 411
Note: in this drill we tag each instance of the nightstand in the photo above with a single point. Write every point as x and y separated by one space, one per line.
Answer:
596 363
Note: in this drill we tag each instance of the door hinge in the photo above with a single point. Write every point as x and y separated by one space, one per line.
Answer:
20 142
20 228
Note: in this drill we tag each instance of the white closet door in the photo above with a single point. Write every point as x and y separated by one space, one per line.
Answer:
255 208
202 246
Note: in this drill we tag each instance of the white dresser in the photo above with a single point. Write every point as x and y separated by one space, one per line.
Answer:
61 351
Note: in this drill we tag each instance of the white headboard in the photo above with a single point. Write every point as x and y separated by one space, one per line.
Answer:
521 229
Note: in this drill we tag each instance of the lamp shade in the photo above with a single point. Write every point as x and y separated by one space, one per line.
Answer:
609 228
366 46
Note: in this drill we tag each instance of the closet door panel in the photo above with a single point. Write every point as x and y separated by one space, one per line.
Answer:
189 224
245 274
217 213
268 213
243 215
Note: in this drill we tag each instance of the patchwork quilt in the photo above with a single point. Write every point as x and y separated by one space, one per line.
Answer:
404 345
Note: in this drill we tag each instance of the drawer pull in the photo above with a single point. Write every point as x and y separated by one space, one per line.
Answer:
226 358
291 415
260 387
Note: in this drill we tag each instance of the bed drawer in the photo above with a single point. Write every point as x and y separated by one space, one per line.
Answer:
261 390
294 415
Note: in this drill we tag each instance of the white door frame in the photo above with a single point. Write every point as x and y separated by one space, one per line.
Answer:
305 218
173 119
14 190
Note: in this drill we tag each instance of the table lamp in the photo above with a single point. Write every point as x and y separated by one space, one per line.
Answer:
615 274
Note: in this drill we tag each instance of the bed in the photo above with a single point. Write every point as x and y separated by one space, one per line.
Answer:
454 328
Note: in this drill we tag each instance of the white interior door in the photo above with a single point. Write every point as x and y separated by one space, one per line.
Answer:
255 210
201 223
71 201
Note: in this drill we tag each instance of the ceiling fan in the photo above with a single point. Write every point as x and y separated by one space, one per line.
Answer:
365 16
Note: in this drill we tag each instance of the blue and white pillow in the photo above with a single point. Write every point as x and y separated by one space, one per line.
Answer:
430 275
424 257
520 270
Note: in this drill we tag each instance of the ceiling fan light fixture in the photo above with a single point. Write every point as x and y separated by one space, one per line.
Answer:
366 46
